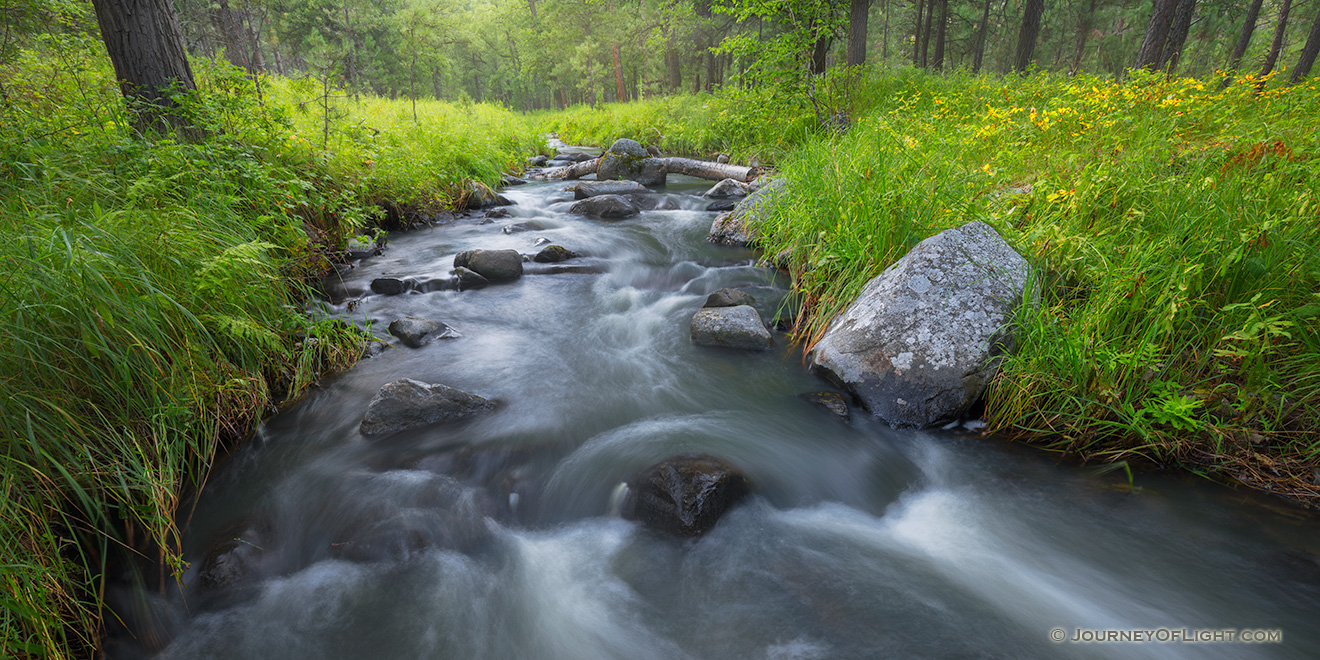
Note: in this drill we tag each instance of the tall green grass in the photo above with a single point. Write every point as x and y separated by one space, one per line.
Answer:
151 299
1175 230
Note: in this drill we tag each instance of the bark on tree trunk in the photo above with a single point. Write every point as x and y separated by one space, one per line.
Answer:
938 62
1309 51
618 77
857 16
146 48
1182 23
1157 32
1084 28
1280 28
925 33
978 50
818 54
917 31
1244 39
1026 46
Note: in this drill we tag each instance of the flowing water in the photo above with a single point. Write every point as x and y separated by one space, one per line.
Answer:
495 537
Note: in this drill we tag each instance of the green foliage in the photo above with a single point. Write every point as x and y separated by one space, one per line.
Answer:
153 291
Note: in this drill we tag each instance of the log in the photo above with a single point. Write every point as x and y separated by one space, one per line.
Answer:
708 170
574 171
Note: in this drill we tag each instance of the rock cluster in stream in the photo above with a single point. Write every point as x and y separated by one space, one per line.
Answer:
628 159
684 495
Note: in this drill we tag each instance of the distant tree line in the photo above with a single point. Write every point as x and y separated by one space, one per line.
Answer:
530 54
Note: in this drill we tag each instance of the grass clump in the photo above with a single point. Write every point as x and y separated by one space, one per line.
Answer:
151 303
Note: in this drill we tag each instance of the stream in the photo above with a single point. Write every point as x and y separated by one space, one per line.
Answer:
494 537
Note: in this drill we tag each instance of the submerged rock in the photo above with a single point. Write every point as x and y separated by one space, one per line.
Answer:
407 403
923 339
416 332
831 401
684 495
739 327
611 207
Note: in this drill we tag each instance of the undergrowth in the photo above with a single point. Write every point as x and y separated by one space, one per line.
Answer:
152 296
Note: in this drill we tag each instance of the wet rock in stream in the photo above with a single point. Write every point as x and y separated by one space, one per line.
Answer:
833 402
416 332
609 207
729 298
588 189
684 495
738 327
389 286
494 265
553 254
407 403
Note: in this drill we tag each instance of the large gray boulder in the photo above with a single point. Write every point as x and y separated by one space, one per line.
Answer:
407 403
594 188
494 265
923 339
416 331
684 495
734 227
626 159
739 326
610 207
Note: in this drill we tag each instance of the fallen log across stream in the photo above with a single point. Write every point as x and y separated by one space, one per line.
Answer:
698 168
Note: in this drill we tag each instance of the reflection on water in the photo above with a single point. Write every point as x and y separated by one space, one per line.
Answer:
493 538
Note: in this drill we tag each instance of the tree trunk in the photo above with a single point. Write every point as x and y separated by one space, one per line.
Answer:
675 68
618 77
1026 46
710 72
146 48
1280 28
917 32
531 5
857 16
1173 46
1157 32
978 49
1244 39
1084 28
884 48
1309 51
940 31
925 33
818 53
